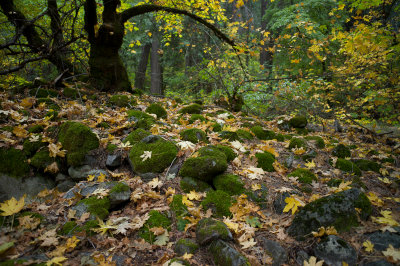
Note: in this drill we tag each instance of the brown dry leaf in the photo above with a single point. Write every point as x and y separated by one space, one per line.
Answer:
55 150
71 214
52 168
28 222
157 230
281 234
28 102
49 238
84 217
20 131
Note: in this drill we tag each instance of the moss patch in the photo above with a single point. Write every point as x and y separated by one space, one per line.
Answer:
367 165
229 183
194 117
297 143
42 159
13 162
156 219
178 207
319 142
119 187
219 202
194 135
298 122
77 139
141 119
31 147
262 133
189 183
157 109
36 129
204 167
192 109
136 136
97 207
229 135
265 161
341 151
304 175
347 166
162 154
120 100
230 154
244 134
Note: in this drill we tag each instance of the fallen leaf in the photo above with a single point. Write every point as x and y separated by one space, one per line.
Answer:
310 165
56 261
155 183
313 262
162 240
369 247
12 206
248 243
392 253
146 155
187 256
292 204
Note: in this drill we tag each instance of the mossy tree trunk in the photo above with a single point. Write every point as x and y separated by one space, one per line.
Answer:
140 76
106 68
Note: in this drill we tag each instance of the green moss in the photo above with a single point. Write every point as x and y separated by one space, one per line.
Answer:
32 147
390 160
7 128
280 137
229 183
298 122
244 134
211 150
156 219
70 92
42 159
306 188
219 202
198 101
136 136
194 135
163 153
141 119
334 182
319 142
137 92
265 161
297 143
195 117
111 147
230 154
178 207
216 127
309 156
301 131
367 165
77 139
119 187
304 175
97 207
36 129
193 184
229 135
43 93
347 166
262 133
49 103
120 100
357 182
185 245
103 125
178 100
158 110
89 226
191 109
341 151
204 167
13 162
70 228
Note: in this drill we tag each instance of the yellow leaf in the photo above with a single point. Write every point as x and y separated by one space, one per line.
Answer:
313 262
56 261
386 219
187 202
298 151
193 195
392 253
187 256
310 165
12 206
255 187
295 61
369 247
20 131
292 204
27 102
384 171
373 198
55 151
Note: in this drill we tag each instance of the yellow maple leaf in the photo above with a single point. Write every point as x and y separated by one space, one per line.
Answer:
369 247
187 256
313 262
12 206
27 102
386 219
187 202
310 165
20 131
298 151
292 204
193 195
373 198
56 261
104 227
255 187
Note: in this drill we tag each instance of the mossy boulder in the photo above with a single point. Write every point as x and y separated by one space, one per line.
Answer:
341 151
156 219
298 143
219 202
347 166
69 228
194 117
216 127
194 135
50 104
141 119
298 122
78 140
229 135
136 136
230 154
36 129
13 162
191 109
185 245
367 165
163 152
70 92
120 100
43 93
262 134
158 110
265 160
224 254
304 175
96 206
229 183
338 210
209 230
319 142
193 184
208 162
32 147
302 131
42 159
119 193
244 134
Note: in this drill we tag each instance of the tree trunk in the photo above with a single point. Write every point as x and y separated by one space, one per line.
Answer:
140 76
263 52
155 64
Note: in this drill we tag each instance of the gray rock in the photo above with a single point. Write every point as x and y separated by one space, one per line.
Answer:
189 183
66 185
377 263
147 177
301 257
150 139
225 255
119 260
81 173
113 160
334 250
185 245
61 177
259 196
382 240
209 230
279 202
338 210
118 198
274 250
289 160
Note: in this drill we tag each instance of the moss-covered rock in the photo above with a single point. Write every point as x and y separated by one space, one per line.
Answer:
334 182
224 254
136 136
308 156
50 104
297 143
194 117
259 196
13 162
219 202
229 135
96 206
156 219
185 245
69 228
265 160
36 129
279 137
262 134
209 230
319 142
216 127
120 100
78 140
119 193
347 166
230 154
192 109
162 151
244 134
111 147
229 183
341 151
302 131
304 175
158 110
31 147
103 125
298 122
141 119
193 184
70 92
42 159
367 165
43 93
194 135
338 210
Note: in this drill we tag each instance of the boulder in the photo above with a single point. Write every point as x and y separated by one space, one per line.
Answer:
334 251
298 122
193 135
225 255
382 240
185 245
209 230
274 250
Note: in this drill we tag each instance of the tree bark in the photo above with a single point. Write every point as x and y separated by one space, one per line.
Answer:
140 76
155 65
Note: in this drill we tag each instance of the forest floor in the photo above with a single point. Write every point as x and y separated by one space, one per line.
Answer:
41 241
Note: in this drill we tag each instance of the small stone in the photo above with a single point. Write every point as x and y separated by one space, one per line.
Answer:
382 240
377 263
185 245
225 255
66 185
60 177
274 250
113 160
334 251
301 257
209 230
